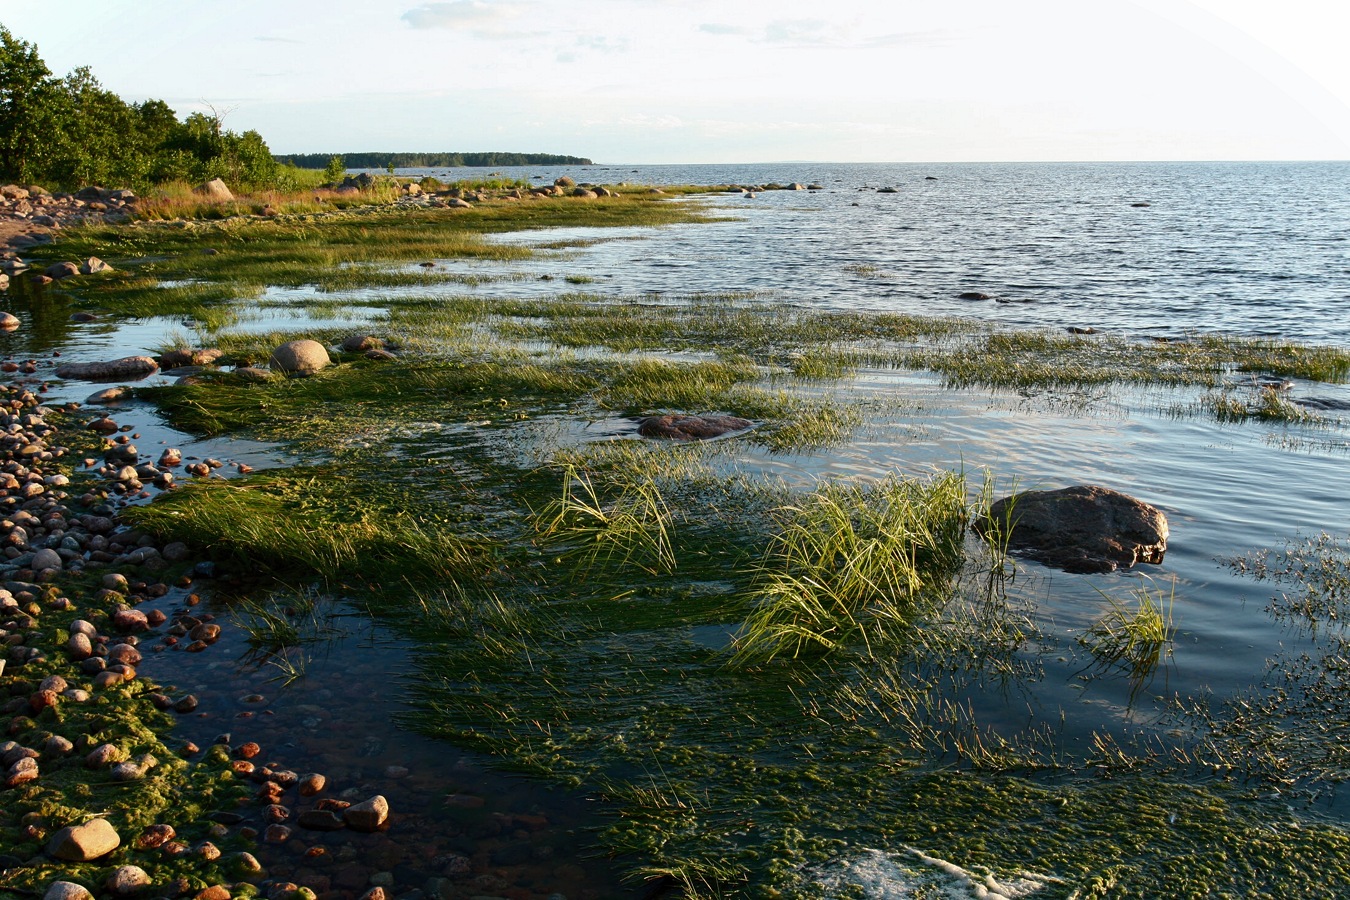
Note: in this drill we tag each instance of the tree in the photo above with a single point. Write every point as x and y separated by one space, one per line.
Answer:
335 170
28 109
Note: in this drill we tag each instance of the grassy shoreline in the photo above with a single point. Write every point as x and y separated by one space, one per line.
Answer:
582 608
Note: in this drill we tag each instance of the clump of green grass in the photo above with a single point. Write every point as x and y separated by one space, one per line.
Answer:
1267 404
1134 637
850 564
633 528
310 521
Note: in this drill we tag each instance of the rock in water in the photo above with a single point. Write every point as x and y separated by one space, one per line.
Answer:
367 816
1084 528
691 428
299 357
81 843
126 367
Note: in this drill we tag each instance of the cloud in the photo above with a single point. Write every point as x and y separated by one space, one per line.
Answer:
718 28
278 40
478 16
800 31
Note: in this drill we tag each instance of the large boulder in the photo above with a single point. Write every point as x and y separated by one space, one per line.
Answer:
1084 528
215 189
299 358
691 428
126 367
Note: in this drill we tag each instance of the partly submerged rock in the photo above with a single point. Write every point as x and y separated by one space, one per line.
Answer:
126 367
691 428
1084 528
302 357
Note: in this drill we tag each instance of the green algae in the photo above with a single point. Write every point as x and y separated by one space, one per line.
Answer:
611 668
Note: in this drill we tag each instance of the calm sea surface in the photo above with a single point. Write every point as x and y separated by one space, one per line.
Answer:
1250 248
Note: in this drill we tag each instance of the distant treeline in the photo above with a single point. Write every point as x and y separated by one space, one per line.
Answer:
430 160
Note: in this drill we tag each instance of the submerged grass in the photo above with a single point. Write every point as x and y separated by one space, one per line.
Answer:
761 681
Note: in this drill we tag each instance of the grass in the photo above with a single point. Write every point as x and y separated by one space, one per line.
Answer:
757 679
1134 637
851 565
633 528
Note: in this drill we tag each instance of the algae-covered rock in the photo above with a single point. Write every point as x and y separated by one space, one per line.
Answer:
691 428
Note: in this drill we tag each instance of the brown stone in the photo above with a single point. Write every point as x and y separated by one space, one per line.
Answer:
1084 528
81 843
691 428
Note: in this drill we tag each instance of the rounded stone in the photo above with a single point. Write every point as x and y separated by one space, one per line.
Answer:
67 890
128 880
301 358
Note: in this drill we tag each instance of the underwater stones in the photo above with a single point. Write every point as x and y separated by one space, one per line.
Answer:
690 428
126 367
300 358
1084 528
82 843
368 815
311 784
109 395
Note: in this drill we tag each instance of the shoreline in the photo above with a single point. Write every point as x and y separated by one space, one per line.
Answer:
502 400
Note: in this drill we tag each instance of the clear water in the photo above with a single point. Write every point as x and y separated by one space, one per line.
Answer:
1251 249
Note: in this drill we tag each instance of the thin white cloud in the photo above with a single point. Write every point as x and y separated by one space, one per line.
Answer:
478 16
719 28
278 40
800 31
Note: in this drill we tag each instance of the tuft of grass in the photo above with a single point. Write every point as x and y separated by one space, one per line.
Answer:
1134 637
852 563
634 527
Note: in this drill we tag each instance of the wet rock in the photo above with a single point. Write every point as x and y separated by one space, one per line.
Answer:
21 772
127 881
208 633
82 843
367 816
300 358
152 837
691 428
67 890
321 820
126 367
57 271
312 784
1084 528
973 295
9 322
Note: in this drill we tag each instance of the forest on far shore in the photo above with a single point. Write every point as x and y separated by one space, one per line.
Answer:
429 160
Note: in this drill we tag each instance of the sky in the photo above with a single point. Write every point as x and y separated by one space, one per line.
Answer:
731 81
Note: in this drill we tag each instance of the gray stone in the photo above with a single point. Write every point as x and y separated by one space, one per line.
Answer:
215 189
126 367
46 558
93 265
81 843
61 270
128 881
67 890
1084 528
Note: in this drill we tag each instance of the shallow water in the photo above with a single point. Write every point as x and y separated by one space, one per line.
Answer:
1255 250
1247 248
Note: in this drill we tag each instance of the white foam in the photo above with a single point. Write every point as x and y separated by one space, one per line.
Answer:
890 876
